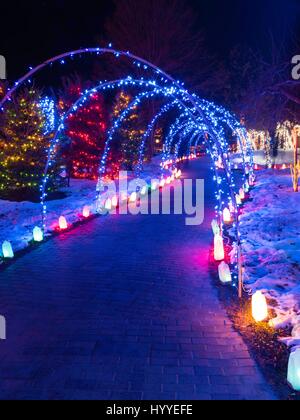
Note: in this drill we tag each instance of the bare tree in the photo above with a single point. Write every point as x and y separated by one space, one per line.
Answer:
165 32
256 89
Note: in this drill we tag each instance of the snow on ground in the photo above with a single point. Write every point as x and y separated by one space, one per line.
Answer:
17 219
260 158
270 225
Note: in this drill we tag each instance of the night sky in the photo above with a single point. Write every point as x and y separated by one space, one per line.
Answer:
33 31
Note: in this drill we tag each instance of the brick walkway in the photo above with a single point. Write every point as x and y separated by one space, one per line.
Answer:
122 308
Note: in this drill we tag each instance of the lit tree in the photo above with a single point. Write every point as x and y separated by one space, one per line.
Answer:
85 130
2 89
129 133
23 143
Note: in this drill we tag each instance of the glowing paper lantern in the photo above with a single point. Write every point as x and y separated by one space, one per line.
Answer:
242 194
224 273
227 216
114 201
124 196
144 190
215 227
231 207
86 212
7 250
294 370
38 234
108 204
133 197
259 307
219 253
252 180
63 223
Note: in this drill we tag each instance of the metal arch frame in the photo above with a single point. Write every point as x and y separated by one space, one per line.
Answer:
139 61
98 51
79 102
112 84
209 150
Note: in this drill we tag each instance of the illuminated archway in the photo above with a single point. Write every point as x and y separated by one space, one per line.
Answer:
198 116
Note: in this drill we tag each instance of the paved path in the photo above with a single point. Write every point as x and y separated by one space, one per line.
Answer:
122 308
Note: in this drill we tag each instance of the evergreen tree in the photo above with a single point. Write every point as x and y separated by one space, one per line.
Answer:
23 145
85 130
130 134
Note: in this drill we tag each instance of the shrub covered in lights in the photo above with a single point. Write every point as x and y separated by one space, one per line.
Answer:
85 131
23 144
130 134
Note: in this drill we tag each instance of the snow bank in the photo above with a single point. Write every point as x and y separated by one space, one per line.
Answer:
260 158
18 219
270 225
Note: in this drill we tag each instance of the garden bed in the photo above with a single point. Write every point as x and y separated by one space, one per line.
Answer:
263 342
270 230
